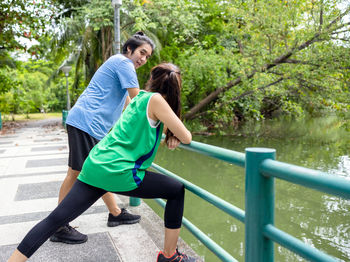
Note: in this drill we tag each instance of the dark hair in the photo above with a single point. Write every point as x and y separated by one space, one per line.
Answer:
165 79
137 40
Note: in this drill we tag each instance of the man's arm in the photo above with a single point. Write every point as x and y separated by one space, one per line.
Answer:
127 101
132 93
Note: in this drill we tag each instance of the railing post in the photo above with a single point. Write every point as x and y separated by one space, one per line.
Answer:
134 201
259 206
64 117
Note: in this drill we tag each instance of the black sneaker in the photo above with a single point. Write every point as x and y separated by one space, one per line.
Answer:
123 218
176 257
68 235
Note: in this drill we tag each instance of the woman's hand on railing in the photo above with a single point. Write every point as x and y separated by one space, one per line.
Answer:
173 142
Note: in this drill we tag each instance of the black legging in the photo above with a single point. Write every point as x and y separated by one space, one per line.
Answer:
82 196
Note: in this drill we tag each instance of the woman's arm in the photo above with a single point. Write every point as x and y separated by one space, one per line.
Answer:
160 110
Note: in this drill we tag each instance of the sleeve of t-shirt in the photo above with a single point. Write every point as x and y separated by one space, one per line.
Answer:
127 74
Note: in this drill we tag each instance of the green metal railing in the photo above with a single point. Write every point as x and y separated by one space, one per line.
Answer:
64 117
261 169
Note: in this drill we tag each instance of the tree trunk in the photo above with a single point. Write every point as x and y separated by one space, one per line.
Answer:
103 44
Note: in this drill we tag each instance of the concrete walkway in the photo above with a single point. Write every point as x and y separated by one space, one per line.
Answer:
33 164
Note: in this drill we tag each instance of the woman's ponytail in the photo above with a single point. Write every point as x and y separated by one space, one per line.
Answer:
166 80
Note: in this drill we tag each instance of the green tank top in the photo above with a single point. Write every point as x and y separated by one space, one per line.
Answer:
118 162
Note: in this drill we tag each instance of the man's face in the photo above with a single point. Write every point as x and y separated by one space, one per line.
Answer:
140 55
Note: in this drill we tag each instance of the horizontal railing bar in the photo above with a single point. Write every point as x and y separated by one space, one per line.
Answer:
307 177
208 242
295 245
227 155
209 197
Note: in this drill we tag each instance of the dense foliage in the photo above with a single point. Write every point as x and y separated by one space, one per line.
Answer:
31 89
240 60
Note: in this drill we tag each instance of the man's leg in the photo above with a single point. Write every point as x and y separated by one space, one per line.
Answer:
68 234
109 198
116 215
68 183
111 204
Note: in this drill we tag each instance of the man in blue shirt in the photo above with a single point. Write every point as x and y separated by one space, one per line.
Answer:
94 114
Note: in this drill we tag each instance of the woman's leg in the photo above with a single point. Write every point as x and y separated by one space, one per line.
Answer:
156 185
79 199
170 241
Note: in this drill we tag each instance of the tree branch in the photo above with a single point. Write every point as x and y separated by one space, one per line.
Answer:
321 16
275 73
339 32
341 39
295 61
214 95
341 26
259 88
240 47
308 84
246 94
128 24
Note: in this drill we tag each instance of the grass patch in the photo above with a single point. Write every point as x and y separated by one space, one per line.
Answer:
25 117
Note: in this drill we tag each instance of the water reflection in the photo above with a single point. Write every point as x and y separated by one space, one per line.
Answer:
321 220
343 167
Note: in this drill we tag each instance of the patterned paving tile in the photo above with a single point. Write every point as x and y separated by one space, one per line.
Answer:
47 140
5 142
48 148
99 248
47 162
34 216
37 190
33 174
1 137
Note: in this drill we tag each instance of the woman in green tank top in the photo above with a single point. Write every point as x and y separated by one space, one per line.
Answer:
119 162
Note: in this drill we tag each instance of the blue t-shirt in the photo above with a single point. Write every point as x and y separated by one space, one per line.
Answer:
102 102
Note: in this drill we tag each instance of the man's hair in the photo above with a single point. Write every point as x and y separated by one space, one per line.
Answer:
137 40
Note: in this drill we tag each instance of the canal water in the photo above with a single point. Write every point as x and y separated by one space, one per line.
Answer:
318 219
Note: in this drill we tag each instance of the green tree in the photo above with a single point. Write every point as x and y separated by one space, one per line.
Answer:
277 43
239 59
31 90
22 19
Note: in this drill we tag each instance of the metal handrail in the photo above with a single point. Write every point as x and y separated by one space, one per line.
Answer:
261 169
307 177
207 196
295 245
224 154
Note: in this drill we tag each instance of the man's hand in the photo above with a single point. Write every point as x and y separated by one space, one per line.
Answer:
127 101
173 142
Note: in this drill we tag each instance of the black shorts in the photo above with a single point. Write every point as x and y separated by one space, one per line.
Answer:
80 143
